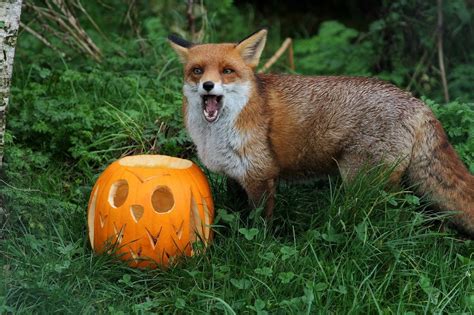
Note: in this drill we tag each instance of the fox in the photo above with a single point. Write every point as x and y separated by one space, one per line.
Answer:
256 128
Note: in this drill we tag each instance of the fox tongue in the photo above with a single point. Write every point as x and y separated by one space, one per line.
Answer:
211 105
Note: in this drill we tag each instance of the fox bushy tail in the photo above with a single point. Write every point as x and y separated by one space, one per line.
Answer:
438 173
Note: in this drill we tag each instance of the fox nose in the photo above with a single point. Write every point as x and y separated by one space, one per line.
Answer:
208 86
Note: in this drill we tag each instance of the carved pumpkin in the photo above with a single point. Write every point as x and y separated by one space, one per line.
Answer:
150 208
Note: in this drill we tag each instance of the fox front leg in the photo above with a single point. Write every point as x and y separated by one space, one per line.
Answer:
236 194
261 192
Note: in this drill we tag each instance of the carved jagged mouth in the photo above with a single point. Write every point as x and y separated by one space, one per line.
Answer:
211 107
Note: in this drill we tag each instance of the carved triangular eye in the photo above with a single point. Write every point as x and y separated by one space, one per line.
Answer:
118 193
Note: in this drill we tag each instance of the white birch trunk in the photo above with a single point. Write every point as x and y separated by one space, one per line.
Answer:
9 20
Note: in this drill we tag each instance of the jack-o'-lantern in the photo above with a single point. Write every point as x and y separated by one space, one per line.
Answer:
149 209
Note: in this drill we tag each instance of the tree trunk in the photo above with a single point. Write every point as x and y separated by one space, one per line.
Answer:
442 69
9 20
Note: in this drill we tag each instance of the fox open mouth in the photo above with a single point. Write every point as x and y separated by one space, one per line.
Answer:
211 106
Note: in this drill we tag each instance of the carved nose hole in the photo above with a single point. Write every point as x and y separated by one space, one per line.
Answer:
137 212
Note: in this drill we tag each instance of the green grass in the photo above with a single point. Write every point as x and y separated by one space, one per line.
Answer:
330 248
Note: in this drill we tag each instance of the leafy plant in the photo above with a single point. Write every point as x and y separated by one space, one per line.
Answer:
460 81
458 122
334 51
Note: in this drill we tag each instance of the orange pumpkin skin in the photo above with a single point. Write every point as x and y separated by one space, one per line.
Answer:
150 209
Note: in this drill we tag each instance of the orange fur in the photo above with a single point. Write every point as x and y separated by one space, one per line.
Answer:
294 126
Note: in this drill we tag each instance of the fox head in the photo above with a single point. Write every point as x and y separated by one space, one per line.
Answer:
218 77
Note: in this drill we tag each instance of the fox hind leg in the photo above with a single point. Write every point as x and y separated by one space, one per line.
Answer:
353 164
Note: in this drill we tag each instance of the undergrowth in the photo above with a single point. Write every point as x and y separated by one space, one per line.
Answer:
330 248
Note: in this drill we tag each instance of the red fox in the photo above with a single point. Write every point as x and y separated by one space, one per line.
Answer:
257 127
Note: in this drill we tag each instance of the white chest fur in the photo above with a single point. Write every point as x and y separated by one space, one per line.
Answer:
218 143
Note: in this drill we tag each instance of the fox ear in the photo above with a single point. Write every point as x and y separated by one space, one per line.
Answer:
181 46
251 47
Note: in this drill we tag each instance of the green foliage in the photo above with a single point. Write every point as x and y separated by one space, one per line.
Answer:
333 51
81 113
405 40
154 30
458 122
460 80
399 47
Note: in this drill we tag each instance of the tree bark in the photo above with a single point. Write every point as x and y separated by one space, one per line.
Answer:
440 52
9 21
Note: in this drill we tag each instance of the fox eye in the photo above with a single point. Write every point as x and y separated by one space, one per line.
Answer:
197 71
228 71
